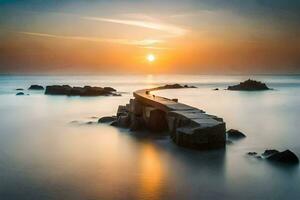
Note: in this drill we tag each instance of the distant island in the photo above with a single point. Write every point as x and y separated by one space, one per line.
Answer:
249 85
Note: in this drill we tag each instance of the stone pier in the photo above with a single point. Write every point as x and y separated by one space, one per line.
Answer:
188 126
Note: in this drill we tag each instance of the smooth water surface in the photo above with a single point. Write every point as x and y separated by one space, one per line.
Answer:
47 151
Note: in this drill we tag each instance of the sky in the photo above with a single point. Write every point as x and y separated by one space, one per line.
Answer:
116 36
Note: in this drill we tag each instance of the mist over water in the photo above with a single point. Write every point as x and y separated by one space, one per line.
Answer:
47 151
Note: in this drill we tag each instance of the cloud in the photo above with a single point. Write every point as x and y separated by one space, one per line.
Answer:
167 28
144 42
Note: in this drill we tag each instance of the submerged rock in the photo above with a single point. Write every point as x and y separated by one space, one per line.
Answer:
249 85
252 153
235 134
20 93
107 119
20 89
78 91
286 156
36 87
216 89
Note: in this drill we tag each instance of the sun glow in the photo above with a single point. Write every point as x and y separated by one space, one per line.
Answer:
151 58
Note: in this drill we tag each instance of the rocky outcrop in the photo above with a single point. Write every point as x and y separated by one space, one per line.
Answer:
235 134
36 87
249 85
269 152
79 91
286 156
173 86
20 93
107 119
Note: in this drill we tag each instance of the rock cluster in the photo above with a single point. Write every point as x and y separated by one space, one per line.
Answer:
80 91
287 156
173 86
249 85
36 87
136 116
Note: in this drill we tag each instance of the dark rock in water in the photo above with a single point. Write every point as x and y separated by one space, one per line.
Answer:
36 87
107 119
19 89
89 122
286 156
114 123
252 153
123 121
173 86
249 85
58 90
78 91
109 89
136 123
235 134
269 152
20 93
216 89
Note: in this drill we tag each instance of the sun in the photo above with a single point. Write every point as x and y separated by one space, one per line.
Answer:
151 58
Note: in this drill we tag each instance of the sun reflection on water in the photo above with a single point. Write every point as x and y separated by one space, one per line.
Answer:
152 173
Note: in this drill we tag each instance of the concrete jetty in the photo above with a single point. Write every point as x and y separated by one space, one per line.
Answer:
188 126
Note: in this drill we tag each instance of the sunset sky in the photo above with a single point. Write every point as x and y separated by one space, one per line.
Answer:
117 36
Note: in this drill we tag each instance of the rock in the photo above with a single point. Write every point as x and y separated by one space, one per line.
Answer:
114 123
107 119
252 153
123 121
36 87
122 110
136 107
157 121
173 86
58 90
249 85
286 156
216 89
77 91
136 123
235 134
19 89
20 93
109 89
89 122
269 152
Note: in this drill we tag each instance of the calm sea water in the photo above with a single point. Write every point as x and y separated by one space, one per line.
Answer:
43 155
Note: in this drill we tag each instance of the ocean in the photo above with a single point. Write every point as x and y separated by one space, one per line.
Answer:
48 151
